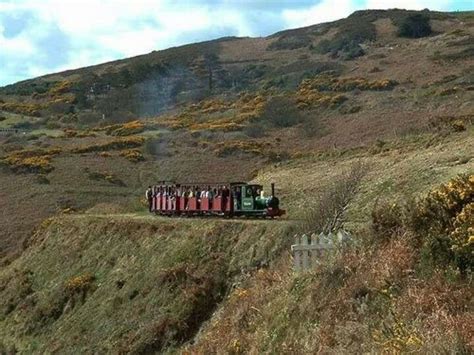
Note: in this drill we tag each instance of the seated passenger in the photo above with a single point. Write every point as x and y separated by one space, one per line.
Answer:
209 194
238 197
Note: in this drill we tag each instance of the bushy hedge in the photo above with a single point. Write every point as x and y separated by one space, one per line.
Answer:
351 34
443 221
415 26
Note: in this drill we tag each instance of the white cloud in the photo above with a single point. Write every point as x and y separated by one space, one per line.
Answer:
327 10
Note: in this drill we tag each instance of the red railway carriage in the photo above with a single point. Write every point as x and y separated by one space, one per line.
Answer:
231 199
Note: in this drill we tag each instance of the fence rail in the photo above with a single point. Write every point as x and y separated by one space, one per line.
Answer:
309 250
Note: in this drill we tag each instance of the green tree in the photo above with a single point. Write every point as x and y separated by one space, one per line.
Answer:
415 26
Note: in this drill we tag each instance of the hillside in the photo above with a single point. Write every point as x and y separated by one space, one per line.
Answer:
353 83
84 268
122 282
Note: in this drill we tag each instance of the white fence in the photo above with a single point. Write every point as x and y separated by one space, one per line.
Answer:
308 251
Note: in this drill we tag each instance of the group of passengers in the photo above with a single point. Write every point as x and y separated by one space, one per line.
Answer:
187 192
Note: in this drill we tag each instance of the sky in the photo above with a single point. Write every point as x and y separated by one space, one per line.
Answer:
45 36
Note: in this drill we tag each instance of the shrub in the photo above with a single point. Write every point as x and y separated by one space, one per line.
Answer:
326 82
351 34
119 143
59 88
313 126
125 129
104 176
156 147
134 155
232 147
282 112
88 118
452 123
78 285
22 108
387 218
31 160
444 220
415 26
254 130
328 211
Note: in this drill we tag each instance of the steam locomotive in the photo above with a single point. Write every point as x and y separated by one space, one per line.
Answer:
225 200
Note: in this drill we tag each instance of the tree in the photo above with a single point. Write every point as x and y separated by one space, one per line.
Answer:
415 26
282 112
208 66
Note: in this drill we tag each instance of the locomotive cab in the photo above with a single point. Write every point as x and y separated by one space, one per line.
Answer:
249 199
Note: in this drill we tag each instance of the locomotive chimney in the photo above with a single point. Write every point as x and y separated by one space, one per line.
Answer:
273 189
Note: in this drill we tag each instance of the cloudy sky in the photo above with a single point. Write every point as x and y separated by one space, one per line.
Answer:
44 36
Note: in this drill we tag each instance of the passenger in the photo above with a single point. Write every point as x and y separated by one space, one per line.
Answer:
149 197
225 196
238 197
209 194
198 197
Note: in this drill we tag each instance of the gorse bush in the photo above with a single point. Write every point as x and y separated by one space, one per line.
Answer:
30 109
119 143
218 115
125 129
79 283
415 26
443 222
134 155
31 160
445 218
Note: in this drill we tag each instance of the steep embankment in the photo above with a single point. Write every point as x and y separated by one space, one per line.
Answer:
137 283
126 283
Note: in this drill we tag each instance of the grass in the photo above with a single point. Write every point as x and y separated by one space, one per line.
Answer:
182 280
118 143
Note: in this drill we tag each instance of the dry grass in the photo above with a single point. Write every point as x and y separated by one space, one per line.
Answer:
118 143
250 147
187 268
134 155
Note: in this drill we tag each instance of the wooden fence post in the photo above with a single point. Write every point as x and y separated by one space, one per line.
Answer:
307 252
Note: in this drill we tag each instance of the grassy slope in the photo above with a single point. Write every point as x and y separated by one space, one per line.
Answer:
410 107
174 272
181 270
